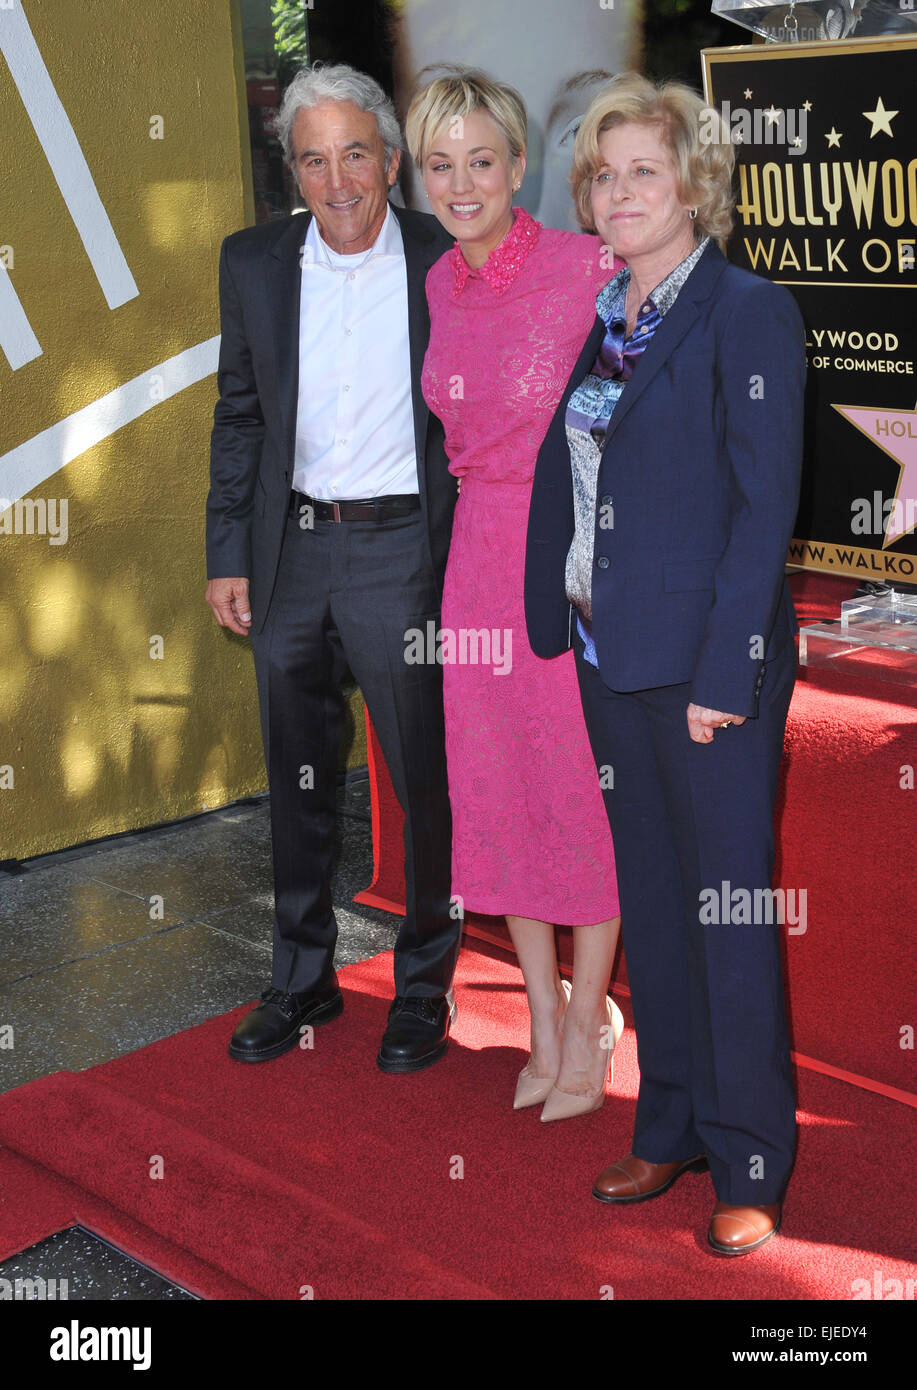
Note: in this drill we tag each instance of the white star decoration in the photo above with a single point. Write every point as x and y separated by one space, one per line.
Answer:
833 138
881 120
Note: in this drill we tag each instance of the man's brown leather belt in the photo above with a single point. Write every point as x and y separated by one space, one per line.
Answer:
358 508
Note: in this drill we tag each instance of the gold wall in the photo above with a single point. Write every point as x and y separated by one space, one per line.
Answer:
103 727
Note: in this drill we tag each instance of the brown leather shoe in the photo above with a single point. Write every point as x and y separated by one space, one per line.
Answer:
635 1180
739 1230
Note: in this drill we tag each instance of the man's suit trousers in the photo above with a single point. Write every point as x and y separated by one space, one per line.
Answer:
345 596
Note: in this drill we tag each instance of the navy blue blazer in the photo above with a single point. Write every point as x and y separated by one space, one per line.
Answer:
699 478
252 443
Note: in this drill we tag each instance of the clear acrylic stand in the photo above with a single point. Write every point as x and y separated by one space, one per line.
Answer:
875 636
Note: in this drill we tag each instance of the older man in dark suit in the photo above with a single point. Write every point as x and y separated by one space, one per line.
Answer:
328 526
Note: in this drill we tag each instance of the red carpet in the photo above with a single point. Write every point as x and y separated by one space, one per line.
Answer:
318 1170
846 834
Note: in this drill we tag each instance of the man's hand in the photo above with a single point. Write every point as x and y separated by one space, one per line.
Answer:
229 600
703 721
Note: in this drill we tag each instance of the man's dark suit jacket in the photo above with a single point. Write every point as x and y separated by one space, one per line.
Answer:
700 477
254 423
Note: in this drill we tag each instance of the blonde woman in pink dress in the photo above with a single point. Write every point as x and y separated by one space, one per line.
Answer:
510 308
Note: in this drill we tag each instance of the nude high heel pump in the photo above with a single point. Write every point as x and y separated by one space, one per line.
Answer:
563 1105
532 1090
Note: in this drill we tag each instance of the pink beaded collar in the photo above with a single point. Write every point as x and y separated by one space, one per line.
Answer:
505 261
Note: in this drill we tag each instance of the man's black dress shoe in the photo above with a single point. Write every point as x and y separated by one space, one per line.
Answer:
273 1026
417 1034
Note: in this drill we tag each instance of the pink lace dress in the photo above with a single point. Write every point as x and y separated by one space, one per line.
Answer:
530 833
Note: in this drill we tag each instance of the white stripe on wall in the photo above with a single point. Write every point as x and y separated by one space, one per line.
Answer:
28 465
17 340
62 150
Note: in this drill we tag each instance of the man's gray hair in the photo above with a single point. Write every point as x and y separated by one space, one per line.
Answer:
338 82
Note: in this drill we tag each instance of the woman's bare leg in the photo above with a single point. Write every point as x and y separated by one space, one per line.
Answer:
583 1065
537 955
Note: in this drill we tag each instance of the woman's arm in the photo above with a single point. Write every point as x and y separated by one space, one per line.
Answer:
761 370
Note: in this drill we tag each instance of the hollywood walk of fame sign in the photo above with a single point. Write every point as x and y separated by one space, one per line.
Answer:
826 184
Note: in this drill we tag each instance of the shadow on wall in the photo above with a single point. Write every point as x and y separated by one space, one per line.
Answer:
122 703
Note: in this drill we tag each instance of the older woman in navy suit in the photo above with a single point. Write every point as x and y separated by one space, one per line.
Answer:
663 501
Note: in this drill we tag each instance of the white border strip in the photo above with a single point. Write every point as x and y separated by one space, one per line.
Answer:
30 464
17 340
62 150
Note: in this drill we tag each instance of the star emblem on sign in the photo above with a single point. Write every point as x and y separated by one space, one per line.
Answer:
895 432
881 120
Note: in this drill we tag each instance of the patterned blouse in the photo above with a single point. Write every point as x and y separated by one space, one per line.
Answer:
590 409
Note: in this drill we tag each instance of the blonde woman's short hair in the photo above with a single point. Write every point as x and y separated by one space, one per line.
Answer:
694 134
456 93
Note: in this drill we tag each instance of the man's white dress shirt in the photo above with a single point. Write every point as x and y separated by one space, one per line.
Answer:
355 420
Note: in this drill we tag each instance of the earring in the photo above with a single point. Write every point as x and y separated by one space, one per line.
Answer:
692 213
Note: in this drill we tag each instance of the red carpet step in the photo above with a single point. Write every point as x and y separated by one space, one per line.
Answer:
317 1173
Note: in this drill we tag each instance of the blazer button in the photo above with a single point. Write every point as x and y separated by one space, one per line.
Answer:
603 562
607 500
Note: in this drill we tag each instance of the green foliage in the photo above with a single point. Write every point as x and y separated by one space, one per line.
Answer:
291 39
